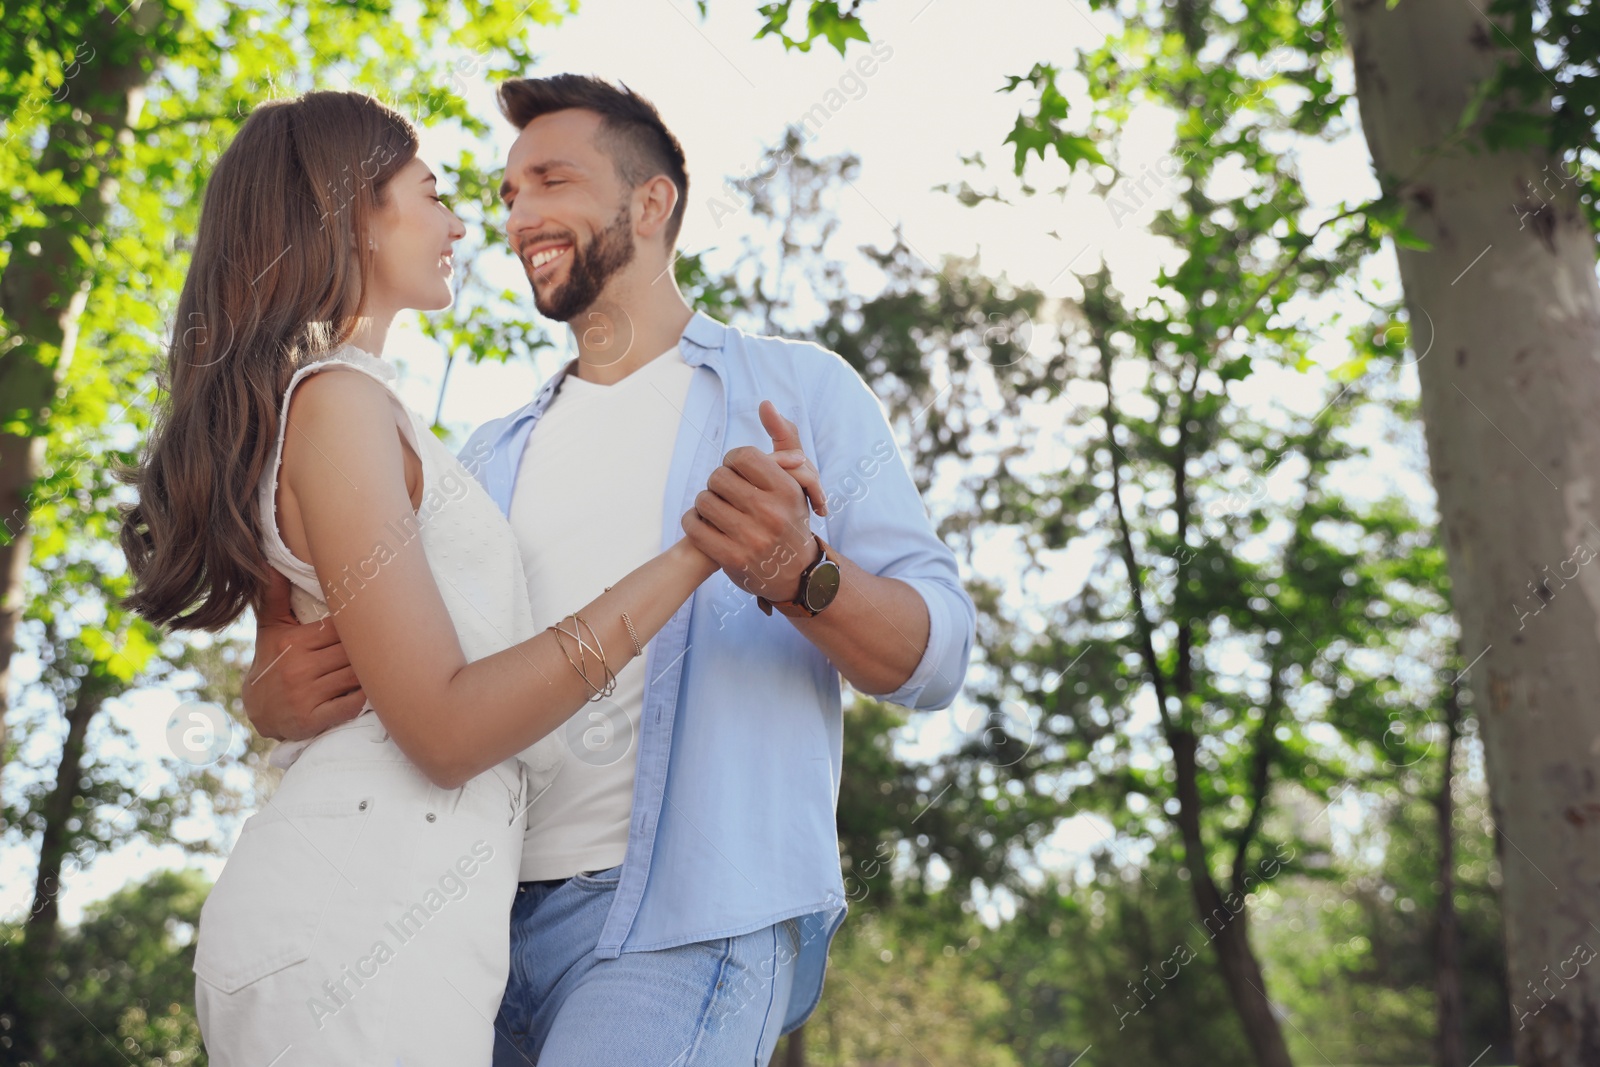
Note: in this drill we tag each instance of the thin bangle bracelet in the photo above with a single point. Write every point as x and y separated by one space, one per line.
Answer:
566 652
638 649
610 676
583 671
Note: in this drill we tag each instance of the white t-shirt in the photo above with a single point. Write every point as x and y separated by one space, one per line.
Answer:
587 509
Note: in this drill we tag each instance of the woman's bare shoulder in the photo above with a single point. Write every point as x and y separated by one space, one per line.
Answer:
348 419
334 388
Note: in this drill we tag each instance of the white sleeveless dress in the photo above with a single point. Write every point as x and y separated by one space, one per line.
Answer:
363 916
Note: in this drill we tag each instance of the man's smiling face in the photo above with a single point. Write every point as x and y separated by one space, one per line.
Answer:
571 221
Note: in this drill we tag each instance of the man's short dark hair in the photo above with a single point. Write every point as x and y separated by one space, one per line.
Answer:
631 130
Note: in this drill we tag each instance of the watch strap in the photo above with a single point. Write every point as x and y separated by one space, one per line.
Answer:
796 608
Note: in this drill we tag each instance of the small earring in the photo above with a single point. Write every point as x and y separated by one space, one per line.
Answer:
371 243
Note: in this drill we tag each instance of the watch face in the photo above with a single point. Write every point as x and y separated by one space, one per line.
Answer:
823 585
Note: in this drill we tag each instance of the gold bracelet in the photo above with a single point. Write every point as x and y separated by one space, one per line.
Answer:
633 635
583 653
611 678
583 671
638 649
563 646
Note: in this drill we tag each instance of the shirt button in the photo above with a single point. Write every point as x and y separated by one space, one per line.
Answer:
431 816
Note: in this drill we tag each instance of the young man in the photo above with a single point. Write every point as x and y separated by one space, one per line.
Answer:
680 879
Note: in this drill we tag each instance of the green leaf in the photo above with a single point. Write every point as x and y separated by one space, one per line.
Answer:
1405 238
824 20
1235 369
1042 131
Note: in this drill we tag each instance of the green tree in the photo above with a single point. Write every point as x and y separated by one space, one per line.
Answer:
1189 582
80 789
79 792
1196 673
122 978
1422 925
1482 137
1480 120
1111 971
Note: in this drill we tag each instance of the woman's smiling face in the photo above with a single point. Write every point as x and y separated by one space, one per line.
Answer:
414 234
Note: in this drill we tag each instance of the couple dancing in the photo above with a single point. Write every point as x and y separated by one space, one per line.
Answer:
561 716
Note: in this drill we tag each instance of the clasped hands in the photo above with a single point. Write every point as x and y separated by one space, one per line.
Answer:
751 516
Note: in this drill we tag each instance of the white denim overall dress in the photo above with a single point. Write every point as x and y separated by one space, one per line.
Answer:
363 916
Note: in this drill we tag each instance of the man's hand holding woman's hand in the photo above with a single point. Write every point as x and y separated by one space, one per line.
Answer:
751 518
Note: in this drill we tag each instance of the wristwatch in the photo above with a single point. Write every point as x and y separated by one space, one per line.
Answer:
819 584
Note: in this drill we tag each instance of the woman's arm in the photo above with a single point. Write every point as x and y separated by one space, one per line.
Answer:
343 464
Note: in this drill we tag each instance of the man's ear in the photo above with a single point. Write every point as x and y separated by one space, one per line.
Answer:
658 200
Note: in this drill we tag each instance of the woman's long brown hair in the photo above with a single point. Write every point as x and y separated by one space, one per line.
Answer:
277 275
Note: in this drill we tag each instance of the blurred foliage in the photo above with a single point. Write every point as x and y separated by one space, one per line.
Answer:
1357 957
1253 643
79 787
123 975
902 997
1113 970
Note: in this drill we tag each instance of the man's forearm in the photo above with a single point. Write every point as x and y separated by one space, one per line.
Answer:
875 632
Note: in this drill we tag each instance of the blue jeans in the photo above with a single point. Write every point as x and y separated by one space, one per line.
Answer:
708 1004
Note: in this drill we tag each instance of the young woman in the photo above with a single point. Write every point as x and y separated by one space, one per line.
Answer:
363 914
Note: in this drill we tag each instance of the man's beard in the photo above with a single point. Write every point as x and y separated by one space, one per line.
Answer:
591 268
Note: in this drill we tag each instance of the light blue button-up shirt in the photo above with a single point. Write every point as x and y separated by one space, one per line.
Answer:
741 733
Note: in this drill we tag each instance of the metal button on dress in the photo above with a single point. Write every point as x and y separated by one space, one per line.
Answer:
431 816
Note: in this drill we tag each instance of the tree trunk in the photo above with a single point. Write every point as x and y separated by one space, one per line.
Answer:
1452 1051
45 285
32 1011
20 459
1226 928
1224 925
1505 315
794 1049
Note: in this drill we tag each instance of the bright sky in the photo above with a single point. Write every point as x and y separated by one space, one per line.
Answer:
930 99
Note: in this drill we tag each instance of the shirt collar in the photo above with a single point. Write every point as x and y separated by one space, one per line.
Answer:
702 337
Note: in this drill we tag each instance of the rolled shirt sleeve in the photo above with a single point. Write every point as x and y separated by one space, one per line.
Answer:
878 519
